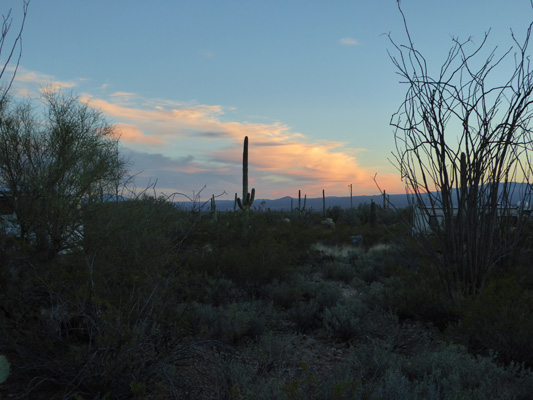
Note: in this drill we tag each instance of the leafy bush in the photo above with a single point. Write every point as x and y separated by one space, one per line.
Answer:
500 320
345 320
221 291
414 290
135 233
444 372
105 321
354 319
78 339
232 322
339 271
4 369
251 250
316 296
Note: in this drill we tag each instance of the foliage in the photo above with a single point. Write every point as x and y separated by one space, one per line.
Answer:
50 165
501 321
106 321
164 303
354 319
252 249
444 372
4 369
232 322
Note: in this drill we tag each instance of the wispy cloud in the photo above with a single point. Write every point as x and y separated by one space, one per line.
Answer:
348 41
207 54
28 81
281 159
130 134
185 146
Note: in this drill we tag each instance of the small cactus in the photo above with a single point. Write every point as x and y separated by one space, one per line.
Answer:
4 369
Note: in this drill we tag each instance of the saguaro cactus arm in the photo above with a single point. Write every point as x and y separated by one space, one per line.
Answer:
248 201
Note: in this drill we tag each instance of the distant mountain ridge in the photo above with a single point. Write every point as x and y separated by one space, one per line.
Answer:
517 194
315 204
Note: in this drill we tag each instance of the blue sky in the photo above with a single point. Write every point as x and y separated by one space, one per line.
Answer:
309 82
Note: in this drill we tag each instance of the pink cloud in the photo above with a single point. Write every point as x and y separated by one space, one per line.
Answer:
280 159
131 134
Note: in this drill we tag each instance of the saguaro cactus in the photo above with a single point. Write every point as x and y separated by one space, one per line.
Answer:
373 214
214 214
301 209
247 198
324 202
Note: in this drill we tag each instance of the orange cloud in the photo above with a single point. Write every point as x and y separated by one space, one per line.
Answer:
281 160
313 166
193 145
131 134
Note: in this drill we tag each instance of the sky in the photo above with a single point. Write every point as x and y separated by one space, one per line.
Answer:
309 82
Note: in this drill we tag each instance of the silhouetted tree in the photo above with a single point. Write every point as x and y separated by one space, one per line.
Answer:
51 163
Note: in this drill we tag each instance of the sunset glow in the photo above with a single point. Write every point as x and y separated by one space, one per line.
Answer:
312 87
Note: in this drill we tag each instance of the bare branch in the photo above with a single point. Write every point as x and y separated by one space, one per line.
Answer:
17 44
463 147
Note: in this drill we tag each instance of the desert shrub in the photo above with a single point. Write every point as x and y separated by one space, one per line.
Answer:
413 289
316 297
352 319
221 291
306 315
232 322
104 321
500 320
251 250
69 333
135 232
254 373
239 381
286 294
339 271
344 320
443 372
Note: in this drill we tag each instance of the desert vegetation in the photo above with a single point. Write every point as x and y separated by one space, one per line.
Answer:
107 293
162 302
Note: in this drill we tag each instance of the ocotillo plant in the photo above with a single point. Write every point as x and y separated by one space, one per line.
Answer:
247 198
